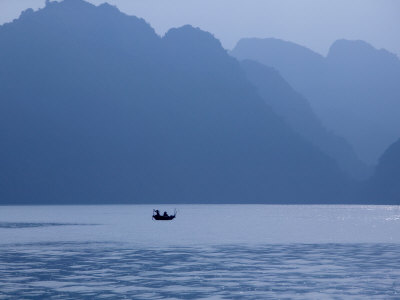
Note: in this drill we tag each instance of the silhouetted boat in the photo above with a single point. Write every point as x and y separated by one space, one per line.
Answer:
165 217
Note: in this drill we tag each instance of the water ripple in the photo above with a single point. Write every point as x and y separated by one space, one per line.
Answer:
110 271
13 225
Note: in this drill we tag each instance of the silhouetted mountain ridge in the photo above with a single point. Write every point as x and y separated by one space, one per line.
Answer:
97 108
291 60
358 51
384 186
297 112
354 90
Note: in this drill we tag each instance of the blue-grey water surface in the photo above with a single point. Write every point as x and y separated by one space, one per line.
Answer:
207 252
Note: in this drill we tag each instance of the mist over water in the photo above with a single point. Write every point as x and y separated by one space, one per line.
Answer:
302 252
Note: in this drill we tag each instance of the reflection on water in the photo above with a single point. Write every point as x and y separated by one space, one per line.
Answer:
117 271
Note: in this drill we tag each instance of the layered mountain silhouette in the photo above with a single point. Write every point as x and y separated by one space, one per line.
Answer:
355 90
298 114
383 187
97 108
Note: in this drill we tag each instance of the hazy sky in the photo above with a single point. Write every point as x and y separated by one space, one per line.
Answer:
313 23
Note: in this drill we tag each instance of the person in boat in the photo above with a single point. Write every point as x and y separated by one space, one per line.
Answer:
165 214
157 212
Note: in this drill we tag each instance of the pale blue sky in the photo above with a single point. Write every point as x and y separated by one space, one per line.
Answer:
312 23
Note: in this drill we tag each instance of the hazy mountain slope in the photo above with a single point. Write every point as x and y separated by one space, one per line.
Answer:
96 108
297 64
384 186
297 112
363 85
355 90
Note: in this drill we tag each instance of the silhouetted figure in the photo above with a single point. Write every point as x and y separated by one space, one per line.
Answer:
165 216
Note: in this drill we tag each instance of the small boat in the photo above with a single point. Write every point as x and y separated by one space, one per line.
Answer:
164 217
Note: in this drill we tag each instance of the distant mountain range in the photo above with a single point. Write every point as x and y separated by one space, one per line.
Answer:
355 90
298 114
97 108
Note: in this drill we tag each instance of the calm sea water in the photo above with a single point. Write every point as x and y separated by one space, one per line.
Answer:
207 252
